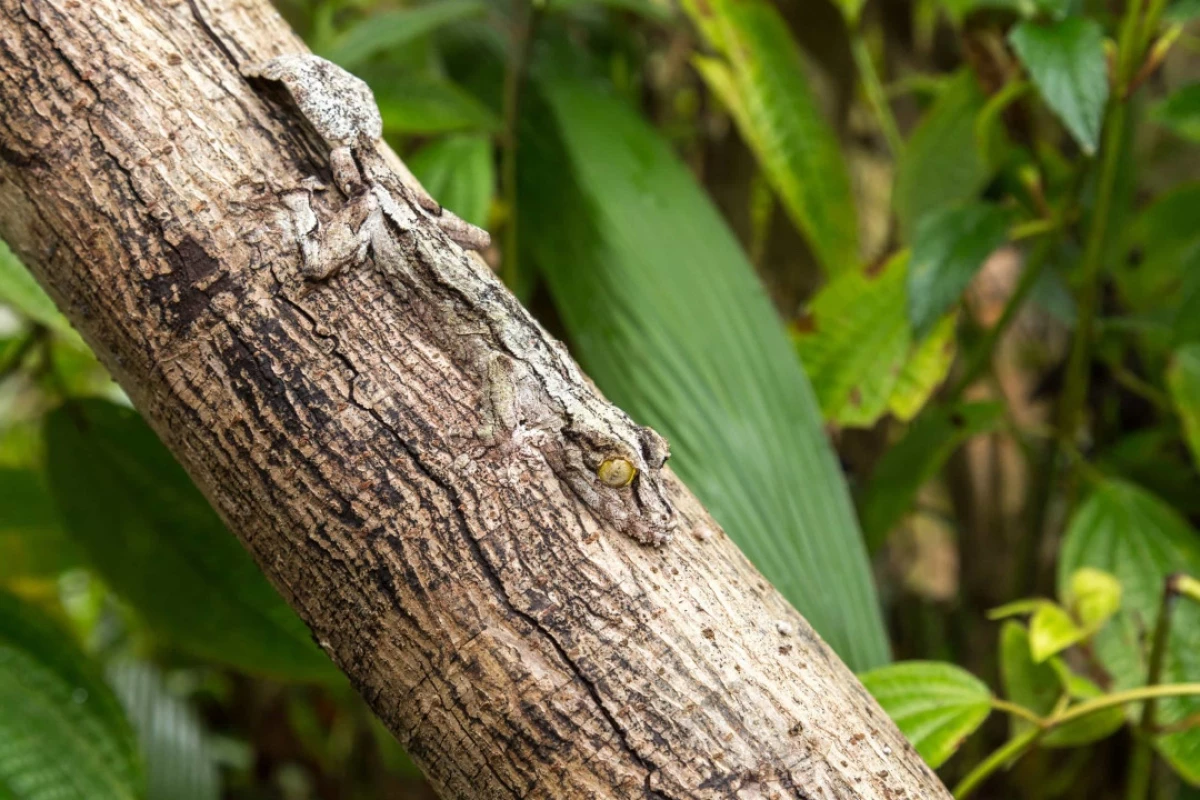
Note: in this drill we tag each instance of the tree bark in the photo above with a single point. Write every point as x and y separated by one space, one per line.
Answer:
515 644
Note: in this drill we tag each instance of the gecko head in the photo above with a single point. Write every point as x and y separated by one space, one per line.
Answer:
627 482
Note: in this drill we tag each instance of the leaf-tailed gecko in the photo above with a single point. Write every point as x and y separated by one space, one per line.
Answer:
536 398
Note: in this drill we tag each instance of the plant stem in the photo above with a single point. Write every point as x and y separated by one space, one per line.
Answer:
1012 750
876 94
514 82
1016 710
1141 763
1016 747
1121 698
1079 361
982 354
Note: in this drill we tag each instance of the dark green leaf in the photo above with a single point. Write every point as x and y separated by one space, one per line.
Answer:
763 84
941 164
1130 533
935 705
179 761
660 10
62 733
1067 63
1181 112
149 532
32 544
667 315
915 459
413 104
1182 11
460 174
1183 380
392 29
949 248
1038 687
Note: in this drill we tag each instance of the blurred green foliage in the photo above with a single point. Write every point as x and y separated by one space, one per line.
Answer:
936 258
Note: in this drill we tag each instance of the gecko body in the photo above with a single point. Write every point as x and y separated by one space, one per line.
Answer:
535 397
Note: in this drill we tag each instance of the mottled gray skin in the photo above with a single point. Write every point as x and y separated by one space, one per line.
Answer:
537 403
341 110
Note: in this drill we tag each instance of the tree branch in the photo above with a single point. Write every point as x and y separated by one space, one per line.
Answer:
515 643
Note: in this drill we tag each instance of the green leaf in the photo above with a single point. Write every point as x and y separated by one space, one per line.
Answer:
1183 381
1094 597
1181 112
180 764
949 248
916 459
1039 686
418 104
21 291
460 174
152 536
925 369
1067 63
377 33
935 705
1168 242
32 543
1133 535
941 164
62 733
1017 608
856 346
1051 630
666 314
763 84
659 10
1182 11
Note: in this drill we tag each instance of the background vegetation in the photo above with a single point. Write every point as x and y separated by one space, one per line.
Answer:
959 429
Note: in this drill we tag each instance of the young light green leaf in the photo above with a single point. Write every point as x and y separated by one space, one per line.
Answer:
926 368
1181 112
1133 535
1093 597
1066 61
855 341
941 164
377 33
62 733
936 705
1017 608
949 248
764 85
152 536
1183 381
667 316
856 346
1051 630
19 290
458 171
180 764
418 104
1039 686
916 459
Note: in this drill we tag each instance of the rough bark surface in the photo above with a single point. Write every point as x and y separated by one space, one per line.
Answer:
516 644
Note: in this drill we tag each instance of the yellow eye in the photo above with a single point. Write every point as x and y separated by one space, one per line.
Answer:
616 472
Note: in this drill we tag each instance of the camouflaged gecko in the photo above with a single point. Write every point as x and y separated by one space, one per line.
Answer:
536 398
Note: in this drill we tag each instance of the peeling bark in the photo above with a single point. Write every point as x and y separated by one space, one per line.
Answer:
515 643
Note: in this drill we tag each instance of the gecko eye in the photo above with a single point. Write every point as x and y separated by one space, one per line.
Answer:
616 472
